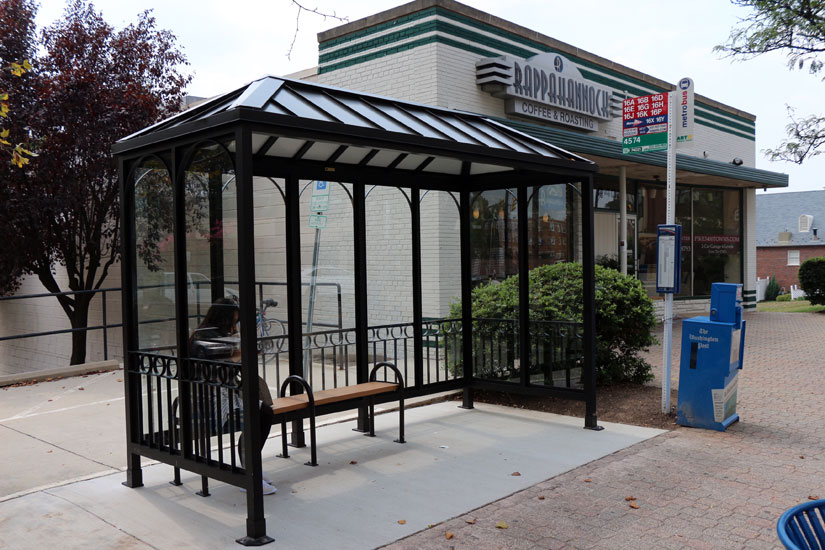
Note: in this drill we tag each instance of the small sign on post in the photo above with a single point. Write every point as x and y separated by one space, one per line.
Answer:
644 124
669 259
317 222
684 96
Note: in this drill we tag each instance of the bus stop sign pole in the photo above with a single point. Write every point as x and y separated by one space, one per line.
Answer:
670 219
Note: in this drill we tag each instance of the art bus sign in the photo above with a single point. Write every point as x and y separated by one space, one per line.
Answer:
547 87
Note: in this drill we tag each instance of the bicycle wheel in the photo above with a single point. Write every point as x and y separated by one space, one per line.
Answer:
265 344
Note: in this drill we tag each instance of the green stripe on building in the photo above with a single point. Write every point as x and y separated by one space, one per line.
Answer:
401 48
705 114
700 118
737 133
378 28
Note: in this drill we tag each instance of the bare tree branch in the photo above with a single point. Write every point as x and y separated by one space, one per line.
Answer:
806 138
316 11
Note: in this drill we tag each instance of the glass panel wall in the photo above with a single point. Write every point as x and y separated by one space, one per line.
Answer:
441 286
270 280
211 238
389 280
154 258
494 252
494 235
556 350
327 283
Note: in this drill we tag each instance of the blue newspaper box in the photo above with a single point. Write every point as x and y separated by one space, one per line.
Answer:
712 353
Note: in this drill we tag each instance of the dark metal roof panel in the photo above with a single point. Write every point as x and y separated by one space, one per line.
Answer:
403 122
375 116
301 106
337 109
258 93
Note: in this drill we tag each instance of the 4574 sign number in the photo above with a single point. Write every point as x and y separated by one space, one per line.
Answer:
644 144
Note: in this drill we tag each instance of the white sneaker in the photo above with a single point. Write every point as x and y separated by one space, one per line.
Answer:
267 489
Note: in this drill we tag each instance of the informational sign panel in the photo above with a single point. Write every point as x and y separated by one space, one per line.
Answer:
669 262
319 203
684 116
320 197
644 124
317 222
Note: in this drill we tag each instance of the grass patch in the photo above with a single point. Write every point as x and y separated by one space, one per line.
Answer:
796 306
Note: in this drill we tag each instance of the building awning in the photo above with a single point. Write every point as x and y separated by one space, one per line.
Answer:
299 120
651 166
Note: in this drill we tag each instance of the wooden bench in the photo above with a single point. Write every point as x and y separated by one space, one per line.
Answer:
304 405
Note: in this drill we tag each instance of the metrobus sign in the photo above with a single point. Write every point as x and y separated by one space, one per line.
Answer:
644 124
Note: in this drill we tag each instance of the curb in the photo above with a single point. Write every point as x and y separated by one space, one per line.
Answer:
60 372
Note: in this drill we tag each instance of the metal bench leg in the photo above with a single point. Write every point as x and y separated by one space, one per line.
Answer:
400 421
371 418
313 451
284 451
176 481
204 492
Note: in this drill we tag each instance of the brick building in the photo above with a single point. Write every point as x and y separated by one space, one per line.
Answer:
788 233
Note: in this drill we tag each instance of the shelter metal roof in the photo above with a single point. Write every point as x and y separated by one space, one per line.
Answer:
303 120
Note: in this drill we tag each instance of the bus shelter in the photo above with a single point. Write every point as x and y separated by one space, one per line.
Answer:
349 229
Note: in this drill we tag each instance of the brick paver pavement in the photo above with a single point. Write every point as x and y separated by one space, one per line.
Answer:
693 488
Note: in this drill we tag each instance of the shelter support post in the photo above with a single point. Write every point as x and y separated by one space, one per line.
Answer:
523 287
589 305
182 303
359 215
623 220
293 300
255 521
132 391
418 309
466 298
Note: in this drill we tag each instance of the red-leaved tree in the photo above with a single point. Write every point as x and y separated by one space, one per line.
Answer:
94 84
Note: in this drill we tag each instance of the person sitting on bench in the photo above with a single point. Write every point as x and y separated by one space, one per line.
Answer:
221 321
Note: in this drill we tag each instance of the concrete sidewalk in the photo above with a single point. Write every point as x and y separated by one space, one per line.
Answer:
693 488
365 493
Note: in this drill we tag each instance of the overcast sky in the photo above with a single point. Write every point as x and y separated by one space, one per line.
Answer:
231 43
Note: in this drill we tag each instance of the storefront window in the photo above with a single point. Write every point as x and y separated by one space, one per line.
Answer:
606 196
711 236
717 242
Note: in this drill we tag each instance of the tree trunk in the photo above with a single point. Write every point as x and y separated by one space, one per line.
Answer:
80 319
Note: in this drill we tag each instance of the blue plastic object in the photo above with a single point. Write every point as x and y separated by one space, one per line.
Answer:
712 355
802 527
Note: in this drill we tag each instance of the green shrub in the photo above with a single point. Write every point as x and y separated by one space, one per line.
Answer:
624 313
772 291
812 280
783 298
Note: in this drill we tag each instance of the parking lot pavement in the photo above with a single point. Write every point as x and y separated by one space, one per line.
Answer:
692 488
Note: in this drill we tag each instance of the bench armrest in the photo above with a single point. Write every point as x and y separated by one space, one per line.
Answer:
304 383
384 365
